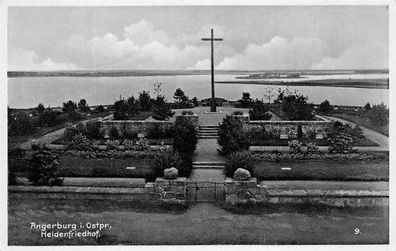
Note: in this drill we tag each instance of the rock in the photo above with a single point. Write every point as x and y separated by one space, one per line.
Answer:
241 174
171 173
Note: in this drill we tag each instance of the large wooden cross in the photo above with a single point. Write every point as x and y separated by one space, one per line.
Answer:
212 39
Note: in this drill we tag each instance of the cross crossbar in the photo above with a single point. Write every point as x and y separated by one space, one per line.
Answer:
211 39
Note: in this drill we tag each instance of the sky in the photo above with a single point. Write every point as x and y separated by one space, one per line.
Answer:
169 38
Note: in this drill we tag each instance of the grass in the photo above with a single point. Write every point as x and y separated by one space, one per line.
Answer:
199 224
70 166
363 121
323 170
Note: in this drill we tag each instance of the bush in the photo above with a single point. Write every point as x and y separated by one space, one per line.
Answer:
186 137
232 137
81 128
379 115
43 168
128 144
120 110
114 133
295 146
260 133
142 144
237 113
259 111
162 109
93 129
312 148
112 144
49 118
21 124
69 133
80 142
237 160
165 160
74 116
341 143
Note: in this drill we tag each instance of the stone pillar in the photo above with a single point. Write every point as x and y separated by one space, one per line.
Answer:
171 190
245 192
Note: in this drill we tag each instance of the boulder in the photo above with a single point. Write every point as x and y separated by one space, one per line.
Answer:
171 173
241 174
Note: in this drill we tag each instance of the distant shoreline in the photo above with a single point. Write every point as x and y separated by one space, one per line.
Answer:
347 83
143 73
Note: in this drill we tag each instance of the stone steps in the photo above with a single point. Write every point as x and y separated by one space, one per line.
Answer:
208 165
208 132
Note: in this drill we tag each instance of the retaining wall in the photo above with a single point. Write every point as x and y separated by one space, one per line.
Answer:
250 193
168 191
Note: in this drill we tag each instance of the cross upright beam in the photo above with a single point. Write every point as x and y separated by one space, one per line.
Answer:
212 39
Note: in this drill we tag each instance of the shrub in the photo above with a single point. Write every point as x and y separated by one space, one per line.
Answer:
128 144
237 160
379 115
93 129
237 113
300 133
341 143
295 146
142 144
21 124
259 111
112 144
232 137
43 168
74 116
120 110
69 133
312 148
259 133
114 133
186 137
81 128
80 142
162 109
49 118
165 160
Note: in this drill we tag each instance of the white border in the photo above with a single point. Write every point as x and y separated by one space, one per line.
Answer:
3 106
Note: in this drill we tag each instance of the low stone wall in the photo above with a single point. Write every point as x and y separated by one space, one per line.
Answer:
162 190
288 129
250 193
190 118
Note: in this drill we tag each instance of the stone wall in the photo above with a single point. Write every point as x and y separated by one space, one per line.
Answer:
162 190
289 128
250 193
192 118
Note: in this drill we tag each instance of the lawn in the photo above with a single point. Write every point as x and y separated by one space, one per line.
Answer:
363 121
377 170
136 224
72 166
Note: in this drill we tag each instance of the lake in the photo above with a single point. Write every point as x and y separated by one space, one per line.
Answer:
25 92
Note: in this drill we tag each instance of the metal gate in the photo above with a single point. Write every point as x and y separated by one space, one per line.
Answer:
205 191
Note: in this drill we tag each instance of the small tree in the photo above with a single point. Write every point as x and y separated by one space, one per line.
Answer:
325 107
120 110
83 106
69 106
295 107
48 118
40 108
246 101
259 111
181 99
162 109
195 101
99 109
367 107
185 137
232 137
379 115
145 101
43 168
133 106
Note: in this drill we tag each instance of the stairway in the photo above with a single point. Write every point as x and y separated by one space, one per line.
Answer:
208 132
208 165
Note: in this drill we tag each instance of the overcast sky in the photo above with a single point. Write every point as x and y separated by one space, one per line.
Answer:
255 38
